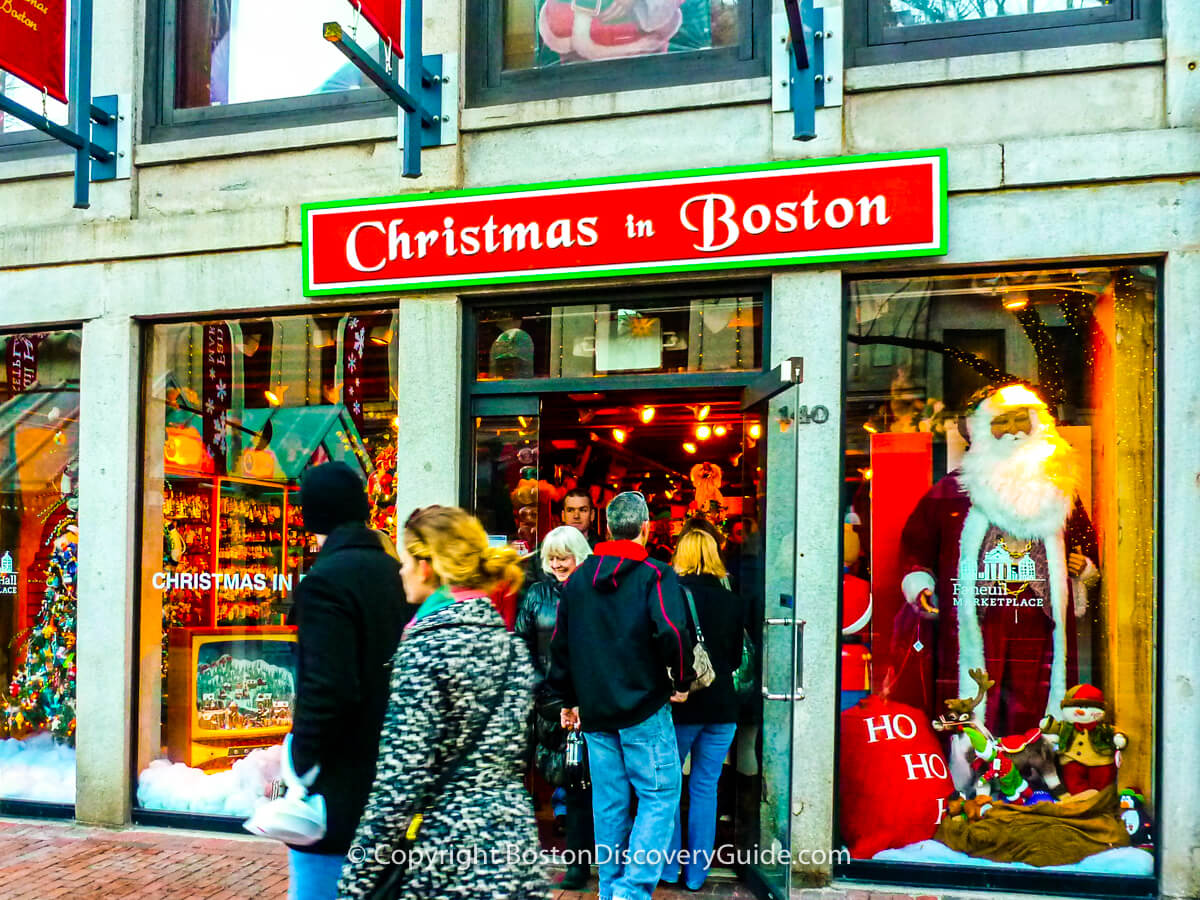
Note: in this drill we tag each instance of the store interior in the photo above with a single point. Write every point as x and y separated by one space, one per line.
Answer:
695 456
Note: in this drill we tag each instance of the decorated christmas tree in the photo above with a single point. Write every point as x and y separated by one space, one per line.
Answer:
41 696
381 491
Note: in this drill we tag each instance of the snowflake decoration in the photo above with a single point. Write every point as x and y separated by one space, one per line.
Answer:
222 388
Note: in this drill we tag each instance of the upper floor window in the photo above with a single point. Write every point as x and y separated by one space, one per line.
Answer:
535 49
234 65
881 31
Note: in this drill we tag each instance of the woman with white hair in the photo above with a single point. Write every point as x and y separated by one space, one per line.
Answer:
562 551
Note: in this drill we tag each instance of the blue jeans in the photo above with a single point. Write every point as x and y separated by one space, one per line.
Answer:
708 745
313 876
630 855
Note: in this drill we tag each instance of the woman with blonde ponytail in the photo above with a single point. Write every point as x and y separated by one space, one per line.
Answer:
448 814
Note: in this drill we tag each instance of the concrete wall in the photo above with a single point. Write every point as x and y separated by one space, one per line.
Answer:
1083 153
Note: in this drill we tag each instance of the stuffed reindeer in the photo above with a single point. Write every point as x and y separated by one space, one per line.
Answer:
978 758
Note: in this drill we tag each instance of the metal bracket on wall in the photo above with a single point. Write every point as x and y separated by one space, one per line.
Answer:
99 134
420 98
806 75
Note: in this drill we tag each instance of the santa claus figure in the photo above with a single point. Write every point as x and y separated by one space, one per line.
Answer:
999 557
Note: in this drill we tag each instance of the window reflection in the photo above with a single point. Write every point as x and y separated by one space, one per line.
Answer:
619 338
932 12
240 51
540 33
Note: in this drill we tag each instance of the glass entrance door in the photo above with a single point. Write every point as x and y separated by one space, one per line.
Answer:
769 406
507 475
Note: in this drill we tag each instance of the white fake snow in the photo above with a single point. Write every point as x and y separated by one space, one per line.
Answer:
1118 861
37 768
234 792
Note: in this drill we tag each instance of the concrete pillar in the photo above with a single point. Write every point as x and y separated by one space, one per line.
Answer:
1181 26
806 321
429 367
108 501
1178 824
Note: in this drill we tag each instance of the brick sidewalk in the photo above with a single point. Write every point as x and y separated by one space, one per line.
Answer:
44 860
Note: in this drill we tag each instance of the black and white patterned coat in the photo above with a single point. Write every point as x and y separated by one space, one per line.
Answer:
478 838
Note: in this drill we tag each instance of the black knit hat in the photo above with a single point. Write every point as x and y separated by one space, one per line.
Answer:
331 495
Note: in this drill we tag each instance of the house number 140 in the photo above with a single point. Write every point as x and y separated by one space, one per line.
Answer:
818 415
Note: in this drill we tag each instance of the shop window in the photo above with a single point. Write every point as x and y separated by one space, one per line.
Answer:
999 598
721 334
39 550
236 411
533 49
881 31
236 65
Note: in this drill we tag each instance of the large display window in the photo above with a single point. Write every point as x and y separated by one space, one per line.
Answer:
236 411
999 615
39 550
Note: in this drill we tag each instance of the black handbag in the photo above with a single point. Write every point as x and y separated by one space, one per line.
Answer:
392 877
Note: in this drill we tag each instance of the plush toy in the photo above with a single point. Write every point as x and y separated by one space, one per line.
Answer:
527 525
1089 749
1136 820
606 29
706 479
977 758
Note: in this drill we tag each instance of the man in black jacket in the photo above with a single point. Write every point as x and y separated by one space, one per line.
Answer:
621 651
350 611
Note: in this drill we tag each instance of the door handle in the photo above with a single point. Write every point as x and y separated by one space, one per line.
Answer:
797 688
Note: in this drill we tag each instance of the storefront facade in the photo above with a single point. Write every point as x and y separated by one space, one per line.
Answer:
1072 264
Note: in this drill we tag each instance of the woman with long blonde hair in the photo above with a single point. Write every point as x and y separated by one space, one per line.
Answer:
448 792
706 724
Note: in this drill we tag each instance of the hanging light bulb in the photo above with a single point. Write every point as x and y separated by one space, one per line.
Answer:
755 431
702 412
689 447
703 432
524 421
647 415
619 435
720 431
275 398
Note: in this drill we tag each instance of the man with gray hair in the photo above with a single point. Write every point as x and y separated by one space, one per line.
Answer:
621 651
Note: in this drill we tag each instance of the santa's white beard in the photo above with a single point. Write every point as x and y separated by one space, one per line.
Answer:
1022 483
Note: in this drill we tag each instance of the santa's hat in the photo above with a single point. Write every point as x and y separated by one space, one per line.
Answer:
1084 695
989 402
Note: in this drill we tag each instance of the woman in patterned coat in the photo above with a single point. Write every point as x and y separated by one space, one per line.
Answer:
454 735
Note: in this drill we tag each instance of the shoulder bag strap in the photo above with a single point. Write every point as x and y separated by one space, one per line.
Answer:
695 618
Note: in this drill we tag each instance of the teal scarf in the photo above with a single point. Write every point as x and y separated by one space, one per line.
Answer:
439 599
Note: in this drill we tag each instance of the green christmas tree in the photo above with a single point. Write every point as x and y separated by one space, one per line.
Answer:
41 696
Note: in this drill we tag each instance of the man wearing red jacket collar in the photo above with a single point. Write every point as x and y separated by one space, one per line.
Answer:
621 651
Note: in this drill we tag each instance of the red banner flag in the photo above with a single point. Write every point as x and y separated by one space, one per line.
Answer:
22 358
384 16
217 391
33 43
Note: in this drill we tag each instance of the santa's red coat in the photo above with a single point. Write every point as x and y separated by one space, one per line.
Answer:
1017 643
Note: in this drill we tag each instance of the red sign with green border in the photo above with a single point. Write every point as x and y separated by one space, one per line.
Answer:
773 214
